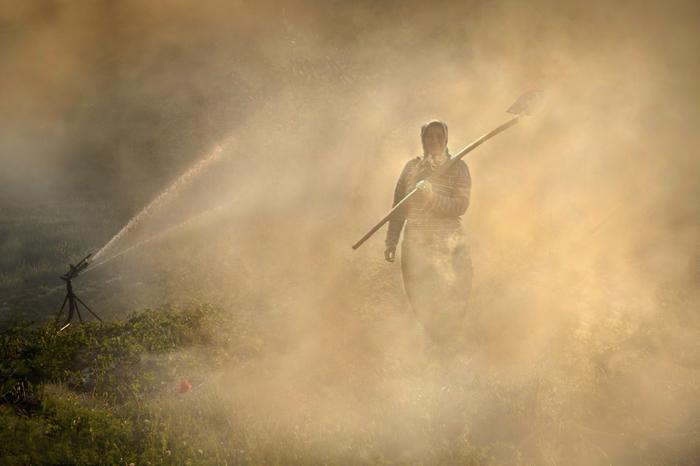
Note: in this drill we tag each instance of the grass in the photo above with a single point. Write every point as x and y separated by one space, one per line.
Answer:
112 394
107 393
620 392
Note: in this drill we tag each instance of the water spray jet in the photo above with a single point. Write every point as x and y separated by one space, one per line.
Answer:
166 196
161 200
162 234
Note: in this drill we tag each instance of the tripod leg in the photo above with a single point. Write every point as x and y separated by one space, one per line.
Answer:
88 308
73 308
71 311
58 316
77 311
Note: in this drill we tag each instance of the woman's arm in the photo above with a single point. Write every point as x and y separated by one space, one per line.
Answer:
396 222
457 203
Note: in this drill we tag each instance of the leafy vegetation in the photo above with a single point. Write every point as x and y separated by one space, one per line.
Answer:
204 386
140 392
100 393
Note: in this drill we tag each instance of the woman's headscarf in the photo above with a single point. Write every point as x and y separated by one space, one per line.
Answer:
424 129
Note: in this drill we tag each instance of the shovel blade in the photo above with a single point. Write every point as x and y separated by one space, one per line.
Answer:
528 103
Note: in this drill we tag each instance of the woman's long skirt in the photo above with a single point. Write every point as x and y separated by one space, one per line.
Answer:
437 276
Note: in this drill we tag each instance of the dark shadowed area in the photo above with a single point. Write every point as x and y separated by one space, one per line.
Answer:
230 153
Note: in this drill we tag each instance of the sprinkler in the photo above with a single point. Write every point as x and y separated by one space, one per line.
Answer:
71 299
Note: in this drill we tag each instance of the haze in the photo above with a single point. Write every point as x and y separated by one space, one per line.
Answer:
583 219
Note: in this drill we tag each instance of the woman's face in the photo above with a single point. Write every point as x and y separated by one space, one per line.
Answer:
435 140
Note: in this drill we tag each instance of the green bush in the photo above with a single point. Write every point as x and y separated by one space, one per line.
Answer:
104 393
112 360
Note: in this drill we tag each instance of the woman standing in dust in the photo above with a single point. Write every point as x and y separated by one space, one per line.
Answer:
435 261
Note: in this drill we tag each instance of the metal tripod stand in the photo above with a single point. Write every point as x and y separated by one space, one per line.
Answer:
71 299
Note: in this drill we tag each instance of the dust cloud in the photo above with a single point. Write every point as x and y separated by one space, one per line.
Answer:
581 345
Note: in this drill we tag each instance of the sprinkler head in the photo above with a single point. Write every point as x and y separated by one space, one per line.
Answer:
74 270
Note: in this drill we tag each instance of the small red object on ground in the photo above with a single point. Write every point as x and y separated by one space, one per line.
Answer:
185 386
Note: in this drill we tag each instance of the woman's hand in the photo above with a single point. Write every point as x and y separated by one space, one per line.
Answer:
425 188
390 253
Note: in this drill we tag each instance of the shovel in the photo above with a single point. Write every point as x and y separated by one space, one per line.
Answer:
526 104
